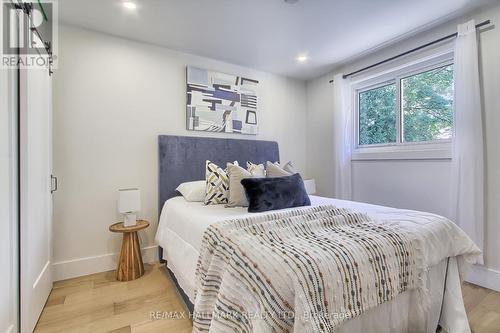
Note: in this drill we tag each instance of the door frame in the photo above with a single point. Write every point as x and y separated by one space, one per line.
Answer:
10 208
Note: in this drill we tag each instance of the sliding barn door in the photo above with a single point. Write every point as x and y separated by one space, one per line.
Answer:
36 198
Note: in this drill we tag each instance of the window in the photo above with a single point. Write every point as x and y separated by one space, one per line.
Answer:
413 106
427 105
377 115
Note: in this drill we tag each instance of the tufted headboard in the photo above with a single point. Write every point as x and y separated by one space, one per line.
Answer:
182 158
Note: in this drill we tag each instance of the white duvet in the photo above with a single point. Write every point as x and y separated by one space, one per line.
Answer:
183 223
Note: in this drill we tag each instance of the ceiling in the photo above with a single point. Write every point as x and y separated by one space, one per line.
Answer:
267 35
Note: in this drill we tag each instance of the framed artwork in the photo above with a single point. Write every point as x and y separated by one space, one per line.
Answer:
219 102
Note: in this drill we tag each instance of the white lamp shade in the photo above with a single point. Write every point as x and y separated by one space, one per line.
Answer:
129 200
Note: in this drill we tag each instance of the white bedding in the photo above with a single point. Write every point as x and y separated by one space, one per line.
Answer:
183 223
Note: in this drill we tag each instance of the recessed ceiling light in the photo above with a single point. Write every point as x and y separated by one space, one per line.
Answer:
302 58
129 5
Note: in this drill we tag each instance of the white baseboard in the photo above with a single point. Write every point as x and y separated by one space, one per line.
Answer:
68 269
484 277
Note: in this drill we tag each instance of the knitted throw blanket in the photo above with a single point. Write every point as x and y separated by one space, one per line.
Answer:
303 270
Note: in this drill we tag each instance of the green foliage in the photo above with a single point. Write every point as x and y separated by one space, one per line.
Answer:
377 115
426 103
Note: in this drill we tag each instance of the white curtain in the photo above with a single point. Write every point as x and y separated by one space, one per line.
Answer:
468 142
343 137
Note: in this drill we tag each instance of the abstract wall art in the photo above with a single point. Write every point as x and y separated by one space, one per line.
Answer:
218 102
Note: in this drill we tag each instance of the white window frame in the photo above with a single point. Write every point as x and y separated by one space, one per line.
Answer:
436 149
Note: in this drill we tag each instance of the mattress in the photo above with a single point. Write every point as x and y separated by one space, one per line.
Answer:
183 223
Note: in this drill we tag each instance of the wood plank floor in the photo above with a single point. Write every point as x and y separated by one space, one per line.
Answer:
483 308
98 303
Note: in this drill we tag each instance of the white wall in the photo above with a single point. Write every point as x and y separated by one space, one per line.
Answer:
112 98
320 134
422 185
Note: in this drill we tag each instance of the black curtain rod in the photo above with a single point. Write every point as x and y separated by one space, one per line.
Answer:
453 35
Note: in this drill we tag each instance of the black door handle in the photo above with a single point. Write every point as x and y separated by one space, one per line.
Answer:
53 183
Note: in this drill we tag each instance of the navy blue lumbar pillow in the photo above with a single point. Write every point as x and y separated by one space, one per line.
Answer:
273 193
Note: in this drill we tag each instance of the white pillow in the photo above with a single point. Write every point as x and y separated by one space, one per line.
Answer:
257 170
279 170
235 173
193 191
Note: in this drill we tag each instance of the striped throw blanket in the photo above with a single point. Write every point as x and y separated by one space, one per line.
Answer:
303 270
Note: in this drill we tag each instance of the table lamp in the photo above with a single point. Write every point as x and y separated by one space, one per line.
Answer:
129 203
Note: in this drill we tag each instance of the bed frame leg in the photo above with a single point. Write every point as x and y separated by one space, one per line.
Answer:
160 255
438 329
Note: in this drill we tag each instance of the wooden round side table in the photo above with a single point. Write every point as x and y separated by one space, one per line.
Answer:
130 266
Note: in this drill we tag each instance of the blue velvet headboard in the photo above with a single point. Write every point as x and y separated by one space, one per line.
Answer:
182 158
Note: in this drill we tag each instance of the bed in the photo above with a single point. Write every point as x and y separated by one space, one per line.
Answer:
182 225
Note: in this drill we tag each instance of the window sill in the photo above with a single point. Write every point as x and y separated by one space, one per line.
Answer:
403 152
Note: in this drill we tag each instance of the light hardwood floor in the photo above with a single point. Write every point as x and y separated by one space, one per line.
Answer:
99 303
483 308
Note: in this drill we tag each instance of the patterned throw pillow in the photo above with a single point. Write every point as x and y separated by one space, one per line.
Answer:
217 187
